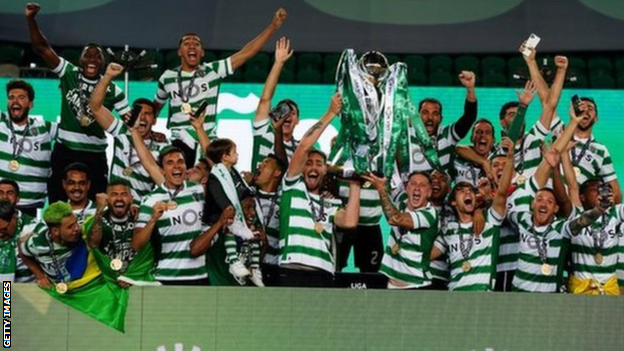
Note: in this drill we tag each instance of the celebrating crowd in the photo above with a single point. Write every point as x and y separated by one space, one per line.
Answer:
536 211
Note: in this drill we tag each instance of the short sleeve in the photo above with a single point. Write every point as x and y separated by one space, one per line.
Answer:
262 127
440 244
607 171
62 67
120 101
145 213
493 218
291 183
222 68
423 219
161 96
116 128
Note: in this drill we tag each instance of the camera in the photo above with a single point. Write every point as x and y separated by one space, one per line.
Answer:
280 111
605 190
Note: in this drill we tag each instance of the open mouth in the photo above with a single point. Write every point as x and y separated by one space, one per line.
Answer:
76 193
91 69
16 109
313 175
192 54
436 187
416 197
177 174
119 205
468 202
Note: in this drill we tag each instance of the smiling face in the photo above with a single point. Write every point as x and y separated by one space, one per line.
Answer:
440 186
431 116
174 169
249 209
498 166
465 200
146 120
190 51
18 105
91 61
418 190
589 116
589 195
482 138
544 207
67 232
266 172
119 200
76 186
314 172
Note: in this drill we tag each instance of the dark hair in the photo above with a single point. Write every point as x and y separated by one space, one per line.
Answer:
144 101
21 84
458 186
590 100
188 35
167 151
483 120
318 152
507 106
432 101
77 167
218 148
12 183
549 190
7 210
281 165
93 45
119 181
588 184
290 103
422 173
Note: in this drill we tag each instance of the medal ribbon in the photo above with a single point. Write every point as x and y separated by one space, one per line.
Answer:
575 160
57 269
463 247
185 94
542 244
18 146
600 236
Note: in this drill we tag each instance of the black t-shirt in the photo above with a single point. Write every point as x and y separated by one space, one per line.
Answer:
217 200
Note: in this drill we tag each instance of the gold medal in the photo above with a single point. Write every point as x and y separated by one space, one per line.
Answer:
396 248
598 258
85 121
546 269
61 288
14 165
127 171
577 171
172 205
116 264
521 180
366 184
186 108
466 266
318 227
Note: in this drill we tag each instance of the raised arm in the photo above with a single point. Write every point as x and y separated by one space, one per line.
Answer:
465 122
525 97
585 220
282 54
536 76
142 235
102 115
350 216
312 135
499 203
251 49
555 92
570 176
94 236
393 215
147 159
38 40
280 150
202 137
468 153
561 195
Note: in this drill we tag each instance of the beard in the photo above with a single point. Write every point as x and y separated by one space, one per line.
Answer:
588 127
20 118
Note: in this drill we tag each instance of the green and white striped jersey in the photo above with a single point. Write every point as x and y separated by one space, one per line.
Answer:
466 171
410 264
206 82
75 95
264 142
40 248
299 242
175 230
481 252
584 247
439 267
116 240
556 237
528 154
370 205
270 205
125 155
595 162
519 200
83 213
445 142
26 225
31 146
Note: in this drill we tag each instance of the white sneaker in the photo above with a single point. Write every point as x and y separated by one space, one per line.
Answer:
256 277
240 230
238 270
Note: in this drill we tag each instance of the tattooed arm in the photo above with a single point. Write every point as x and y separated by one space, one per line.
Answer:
395 217
300 156
95 232
584 220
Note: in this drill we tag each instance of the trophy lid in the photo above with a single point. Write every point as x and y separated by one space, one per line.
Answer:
374 64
